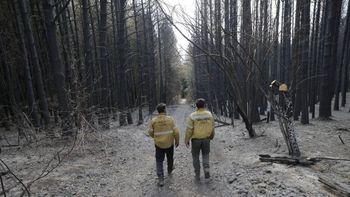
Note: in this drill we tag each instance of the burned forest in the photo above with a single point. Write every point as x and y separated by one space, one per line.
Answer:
82 82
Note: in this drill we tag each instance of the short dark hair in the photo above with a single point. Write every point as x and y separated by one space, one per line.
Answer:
200 103
161 107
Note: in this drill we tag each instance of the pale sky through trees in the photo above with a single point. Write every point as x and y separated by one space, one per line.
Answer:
181 9
175 7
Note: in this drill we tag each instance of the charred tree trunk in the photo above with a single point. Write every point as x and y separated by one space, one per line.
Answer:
140 66
146 58
76 42
346 60
333 9
121 35
162 97
250 87
342 60
275 63
30 46
9 87
87 68
55 61
296 91
286 50
304 45
284 110
105 93
151 52
315 40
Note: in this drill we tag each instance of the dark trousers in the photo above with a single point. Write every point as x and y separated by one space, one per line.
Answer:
160 155
198 146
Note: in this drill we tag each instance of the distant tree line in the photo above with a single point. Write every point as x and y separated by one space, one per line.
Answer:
65 61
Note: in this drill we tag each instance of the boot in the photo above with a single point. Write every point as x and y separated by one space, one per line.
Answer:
197 177
160 181
207 175
170 171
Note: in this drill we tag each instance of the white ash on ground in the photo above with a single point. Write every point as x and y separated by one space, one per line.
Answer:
120 162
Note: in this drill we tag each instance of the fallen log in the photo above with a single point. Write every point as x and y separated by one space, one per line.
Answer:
287 160
328 158
10 145
337 188
297 160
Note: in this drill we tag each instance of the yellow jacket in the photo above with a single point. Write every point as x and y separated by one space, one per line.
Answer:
162 128
200 125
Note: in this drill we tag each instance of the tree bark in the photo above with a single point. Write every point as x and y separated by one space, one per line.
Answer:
87 69
140 66
247 44
9 87
30 45
151 52
314 50
162 97
296 91
333 9
275 63
305 29
55 61
121 33
346 60
105 93
286 50
146 58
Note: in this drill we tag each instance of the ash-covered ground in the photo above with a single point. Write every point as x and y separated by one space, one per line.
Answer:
120 162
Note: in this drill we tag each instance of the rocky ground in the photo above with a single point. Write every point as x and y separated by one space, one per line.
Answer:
120 162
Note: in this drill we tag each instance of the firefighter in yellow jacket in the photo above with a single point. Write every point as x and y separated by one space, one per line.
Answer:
200 130
162 128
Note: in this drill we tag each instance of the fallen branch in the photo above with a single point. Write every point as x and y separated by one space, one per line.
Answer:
57 156
287 160
223 124
297 160
338 188
19 180
3 193
341 139
342 129
10 145
262 120
328 158
2 186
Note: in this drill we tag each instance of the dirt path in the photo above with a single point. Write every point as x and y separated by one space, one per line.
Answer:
120 162
182 182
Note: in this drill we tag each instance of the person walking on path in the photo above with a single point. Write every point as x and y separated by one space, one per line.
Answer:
164 132
200 130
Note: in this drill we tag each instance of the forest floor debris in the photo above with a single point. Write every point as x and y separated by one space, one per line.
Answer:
120 162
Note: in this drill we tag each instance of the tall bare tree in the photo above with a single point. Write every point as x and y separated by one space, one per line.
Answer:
30 46
105 93
55 61
333 11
